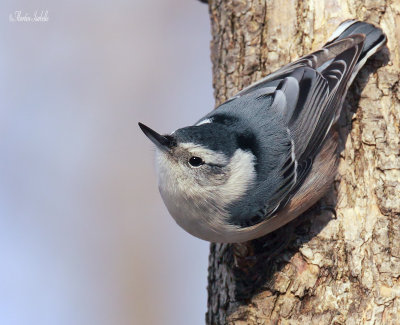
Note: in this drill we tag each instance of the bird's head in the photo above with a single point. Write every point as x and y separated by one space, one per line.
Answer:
202 171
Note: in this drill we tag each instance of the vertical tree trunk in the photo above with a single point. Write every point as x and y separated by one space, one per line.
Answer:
335 268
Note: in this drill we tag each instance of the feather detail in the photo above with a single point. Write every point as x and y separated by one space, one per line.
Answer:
308 95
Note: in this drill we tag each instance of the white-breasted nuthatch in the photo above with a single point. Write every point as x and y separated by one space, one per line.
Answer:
267 154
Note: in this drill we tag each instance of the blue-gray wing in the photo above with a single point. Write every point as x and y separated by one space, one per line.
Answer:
309 92
308 95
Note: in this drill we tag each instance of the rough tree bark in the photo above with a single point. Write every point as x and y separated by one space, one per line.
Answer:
335 268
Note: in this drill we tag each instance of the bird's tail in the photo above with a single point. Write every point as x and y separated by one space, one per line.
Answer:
375 39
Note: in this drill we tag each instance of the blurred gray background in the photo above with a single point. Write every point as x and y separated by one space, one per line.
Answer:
84 236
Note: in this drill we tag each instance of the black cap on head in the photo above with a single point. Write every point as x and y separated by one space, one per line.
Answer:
214 136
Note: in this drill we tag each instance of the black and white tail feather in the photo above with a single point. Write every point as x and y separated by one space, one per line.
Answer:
309 93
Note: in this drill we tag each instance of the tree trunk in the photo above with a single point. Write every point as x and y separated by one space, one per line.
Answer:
338 265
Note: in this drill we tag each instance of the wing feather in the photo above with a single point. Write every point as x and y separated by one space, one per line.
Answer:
308 95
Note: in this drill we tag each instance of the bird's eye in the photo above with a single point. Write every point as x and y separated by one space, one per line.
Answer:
195 161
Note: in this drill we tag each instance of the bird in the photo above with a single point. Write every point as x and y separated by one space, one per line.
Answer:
267 154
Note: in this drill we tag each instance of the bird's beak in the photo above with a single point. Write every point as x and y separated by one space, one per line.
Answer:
162 142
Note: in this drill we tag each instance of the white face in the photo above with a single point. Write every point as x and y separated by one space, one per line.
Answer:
197 184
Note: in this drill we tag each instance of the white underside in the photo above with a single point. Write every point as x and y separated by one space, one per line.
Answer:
202 210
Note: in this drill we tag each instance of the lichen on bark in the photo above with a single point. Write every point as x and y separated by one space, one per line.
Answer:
336 267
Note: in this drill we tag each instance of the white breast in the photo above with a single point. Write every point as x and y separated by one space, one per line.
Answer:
201 210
